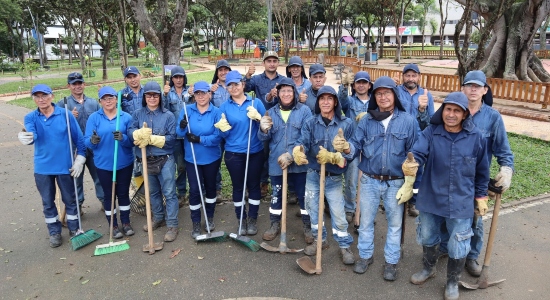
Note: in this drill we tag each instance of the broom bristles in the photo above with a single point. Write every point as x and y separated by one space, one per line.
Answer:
84 239
245 241
111 248
219 236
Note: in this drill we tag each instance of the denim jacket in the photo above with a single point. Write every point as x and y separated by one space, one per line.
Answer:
130 101
410 103
220 96
352 106
162 122
283 136
172 101
87 108
490 123
455 171
262 85
384 151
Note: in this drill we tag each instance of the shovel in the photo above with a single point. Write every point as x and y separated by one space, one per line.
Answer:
305 262
152 246
483 281
357 217
282 243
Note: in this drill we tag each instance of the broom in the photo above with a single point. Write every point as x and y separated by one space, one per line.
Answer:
81 238
237 237
113 247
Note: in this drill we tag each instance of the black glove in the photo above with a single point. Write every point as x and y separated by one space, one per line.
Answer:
118 135
183 123
193 138
95 138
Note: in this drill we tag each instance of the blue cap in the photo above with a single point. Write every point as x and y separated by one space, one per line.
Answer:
74 77
457 98
223 63
384 82
362 75
477 77
316 68
106 90
295 61
201 86
151 87
131 70
177 71
413 67
327 89
41 88
233 76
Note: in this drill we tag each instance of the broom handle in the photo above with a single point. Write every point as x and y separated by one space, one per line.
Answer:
492 231
72 162
246 170
115 157
320 224
147 199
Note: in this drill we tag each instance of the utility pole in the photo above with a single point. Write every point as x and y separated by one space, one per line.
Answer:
269 25
38 38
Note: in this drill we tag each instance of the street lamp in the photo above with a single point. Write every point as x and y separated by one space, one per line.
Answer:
38 38
269 25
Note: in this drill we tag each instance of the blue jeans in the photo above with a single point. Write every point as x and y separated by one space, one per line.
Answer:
335 198
350 186
476 242
122 189
46 187
80 179
206 173
372 191
299 180
428 233
165 184
181 179
236 166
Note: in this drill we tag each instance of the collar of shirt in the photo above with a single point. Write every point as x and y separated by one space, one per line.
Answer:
56 110
248 98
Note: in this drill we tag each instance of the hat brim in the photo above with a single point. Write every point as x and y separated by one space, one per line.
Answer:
478 82
270 56
129 73
76 80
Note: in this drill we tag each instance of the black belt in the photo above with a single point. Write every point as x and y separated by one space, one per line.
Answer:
327 173
383 177
152 157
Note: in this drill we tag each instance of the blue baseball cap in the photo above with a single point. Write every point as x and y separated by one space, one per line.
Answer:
106 90
233 76
131 70
201 86
413 67
177 71
74 77
316 68
41 88
477 77
223 63
457 98
362 75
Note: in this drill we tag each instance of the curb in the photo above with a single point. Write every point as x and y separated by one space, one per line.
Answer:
522 201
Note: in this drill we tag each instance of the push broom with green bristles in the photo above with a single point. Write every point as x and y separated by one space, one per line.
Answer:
113 247
81 238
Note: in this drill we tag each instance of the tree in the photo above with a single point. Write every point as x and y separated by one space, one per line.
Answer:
542 33
9 15
426 7
443 13
286 14
251 31
396 17
314 18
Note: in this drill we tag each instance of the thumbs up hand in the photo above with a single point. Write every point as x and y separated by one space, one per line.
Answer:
253 113
266 123
94 139
166 87
251 70
214 87
272 93
222 124
75 112
303 96
339 142
423 101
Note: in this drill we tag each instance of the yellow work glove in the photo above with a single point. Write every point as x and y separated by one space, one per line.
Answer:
285 160
326 157
142 134
299 155
222 124
157 141
410 165
266 123
360 116
339 142
253 113
405 192
141 143
481 206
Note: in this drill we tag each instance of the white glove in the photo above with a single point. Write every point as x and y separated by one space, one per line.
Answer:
504 178
266 123
253 113
78 166
26 138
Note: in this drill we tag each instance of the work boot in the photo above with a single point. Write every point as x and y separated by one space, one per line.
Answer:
292 198
349 216
211 224
362 265
413 212
55 240
454 268
390 272
127 229
171 234
116 233
429 260
272 232
312 249
243 228
183 200
308 236
156 224
473 267
196 230
264 187
347 256
251 227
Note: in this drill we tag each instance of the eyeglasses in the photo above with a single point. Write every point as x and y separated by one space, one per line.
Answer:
286 91
74 76
200 93
108 98
152 96
233 85
43 97
384 94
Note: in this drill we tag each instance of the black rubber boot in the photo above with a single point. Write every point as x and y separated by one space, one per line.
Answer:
454 268
429 260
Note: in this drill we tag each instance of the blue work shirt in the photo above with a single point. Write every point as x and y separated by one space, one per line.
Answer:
283 136
489 122
104 151
220 95
262 85
162 122
173 102
201 124
410 103
351 105
130 100
88 107
311 99
306 84
52 153
315 133
455 170
236 139
383 151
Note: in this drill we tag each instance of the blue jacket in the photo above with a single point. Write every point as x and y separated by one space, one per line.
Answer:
236 139
306 84
410 103
162 122
384 151
220 96
172 101
52 154
352 106
489 122
104 151
311 99
261 85
130 101
201 124
89 106
283 136
455 171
